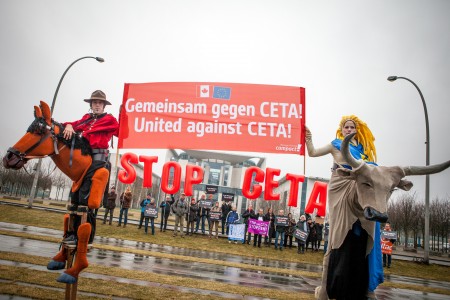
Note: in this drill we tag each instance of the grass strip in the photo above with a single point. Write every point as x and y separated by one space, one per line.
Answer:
97 286
172 256
141 275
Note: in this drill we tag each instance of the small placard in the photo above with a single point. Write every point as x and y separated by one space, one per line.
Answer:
215 216
206 203
281 221
227 197
211 189
301 235
151 212
389 235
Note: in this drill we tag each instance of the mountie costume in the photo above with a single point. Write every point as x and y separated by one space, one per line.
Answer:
88 193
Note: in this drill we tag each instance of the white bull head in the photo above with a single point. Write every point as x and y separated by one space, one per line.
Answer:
375 184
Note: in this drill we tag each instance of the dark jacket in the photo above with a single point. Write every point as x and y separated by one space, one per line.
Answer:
165 207
271 218
111 200
247 215
319 230
226 208
192 215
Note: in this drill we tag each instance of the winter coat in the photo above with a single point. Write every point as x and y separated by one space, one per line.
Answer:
111 200
319 229
303 225
226 208
193 213
165 207
271 218
248 214
289 230
126 199
180 207
233 218
143 204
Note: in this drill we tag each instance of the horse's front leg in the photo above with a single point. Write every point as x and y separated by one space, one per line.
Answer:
71 275
59 261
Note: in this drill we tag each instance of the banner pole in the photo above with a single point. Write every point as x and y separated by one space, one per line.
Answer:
116 168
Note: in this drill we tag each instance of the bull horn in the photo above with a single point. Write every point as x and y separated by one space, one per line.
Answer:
426 170
346 152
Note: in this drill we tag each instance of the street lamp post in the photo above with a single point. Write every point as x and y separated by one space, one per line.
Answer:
427 178
38 167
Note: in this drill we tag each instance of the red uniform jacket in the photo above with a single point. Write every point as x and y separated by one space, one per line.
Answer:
98 130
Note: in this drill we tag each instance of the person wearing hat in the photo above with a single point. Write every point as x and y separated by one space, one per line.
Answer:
96 128
180 209
143 205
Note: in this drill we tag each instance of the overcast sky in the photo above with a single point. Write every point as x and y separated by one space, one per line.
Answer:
341 52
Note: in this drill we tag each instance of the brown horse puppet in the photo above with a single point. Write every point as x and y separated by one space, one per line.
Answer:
73 157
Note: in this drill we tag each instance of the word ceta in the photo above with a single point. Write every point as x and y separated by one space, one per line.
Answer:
251 188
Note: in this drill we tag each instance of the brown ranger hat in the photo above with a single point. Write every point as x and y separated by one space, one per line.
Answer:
98 95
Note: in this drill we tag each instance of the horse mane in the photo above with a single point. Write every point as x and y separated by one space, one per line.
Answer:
80 142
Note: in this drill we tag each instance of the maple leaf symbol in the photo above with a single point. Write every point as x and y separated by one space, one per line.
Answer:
204 90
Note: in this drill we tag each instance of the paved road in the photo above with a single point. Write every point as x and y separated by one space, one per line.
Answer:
207 272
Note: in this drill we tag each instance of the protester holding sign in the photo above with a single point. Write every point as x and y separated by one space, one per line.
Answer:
226 208
302 230
192 216
215 216
249 213
125 203
289 231
232 218
257 237
281 222
271 218
150 213
143 206
203 212
386 247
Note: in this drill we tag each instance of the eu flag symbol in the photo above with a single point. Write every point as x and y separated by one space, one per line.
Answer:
220 92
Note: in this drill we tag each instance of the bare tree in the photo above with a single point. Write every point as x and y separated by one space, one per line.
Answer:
404 213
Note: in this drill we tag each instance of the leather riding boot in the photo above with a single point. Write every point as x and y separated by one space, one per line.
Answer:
71 275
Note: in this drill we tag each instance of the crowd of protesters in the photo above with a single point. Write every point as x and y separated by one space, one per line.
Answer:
199 220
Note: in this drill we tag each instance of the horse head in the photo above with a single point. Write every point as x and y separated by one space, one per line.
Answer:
39 141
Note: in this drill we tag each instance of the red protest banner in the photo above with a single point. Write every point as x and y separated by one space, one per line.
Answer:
213 116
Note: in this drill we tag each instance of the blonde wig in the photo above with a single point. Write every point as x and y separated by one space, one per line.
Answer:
363 136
